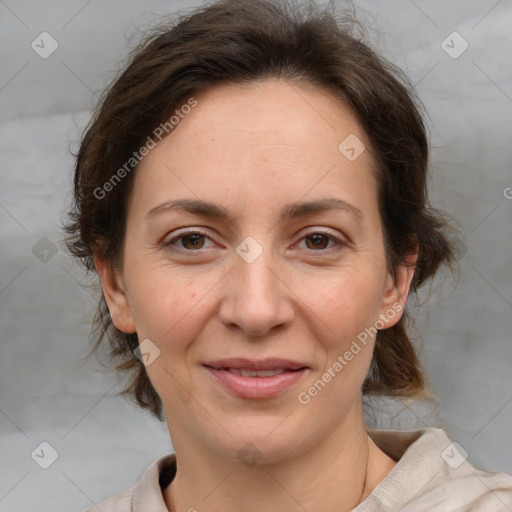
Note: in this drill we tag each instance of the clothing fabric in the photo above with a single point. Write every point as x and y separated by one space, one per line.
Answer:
432 475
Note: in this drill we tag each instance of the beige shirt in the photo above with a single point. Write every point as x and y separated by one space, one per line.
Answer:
431 475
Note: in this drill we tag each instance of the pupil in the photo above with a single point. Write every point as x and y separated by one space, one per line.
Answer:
318 240
194 241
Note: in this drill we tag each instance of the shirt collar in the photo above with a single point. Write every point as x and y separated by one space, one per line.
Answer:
148 492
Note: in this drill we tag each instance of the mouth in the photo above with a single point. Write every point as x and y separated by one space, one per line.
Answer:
260 379
255 373
269 364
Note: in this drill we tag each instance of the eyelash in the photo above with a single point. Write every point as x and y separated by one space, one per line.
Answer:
339 243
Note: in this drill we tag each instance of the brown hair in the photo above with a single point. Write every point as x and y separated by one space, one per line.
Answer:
240 41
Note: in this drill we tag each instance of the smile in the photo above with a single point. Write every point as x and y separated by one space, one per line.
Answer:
255 380
255 373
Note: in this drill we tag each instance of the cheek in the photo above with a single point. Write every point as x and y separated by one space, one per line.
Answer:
173 308
350 307
351 316
347 300
166 304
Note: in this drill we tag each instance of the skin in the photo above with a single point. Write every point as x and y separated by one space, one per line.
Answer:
253 149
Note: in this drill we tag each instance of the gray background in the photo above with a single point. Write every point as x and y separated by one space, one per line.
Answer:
104 442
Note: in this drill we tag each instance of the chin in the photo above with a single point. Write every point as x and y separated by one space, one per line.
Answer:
263 439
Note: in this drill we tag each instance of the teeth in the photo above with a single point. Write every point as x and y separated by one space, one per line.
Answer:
254 373
248 373
269 373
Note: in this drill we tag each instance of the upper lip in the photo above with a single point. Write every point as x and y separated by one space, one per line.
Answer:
255 365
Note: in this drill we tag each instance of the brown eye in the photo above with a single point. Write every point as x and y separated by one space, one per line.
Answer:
317 241
193 241
189 241
321 242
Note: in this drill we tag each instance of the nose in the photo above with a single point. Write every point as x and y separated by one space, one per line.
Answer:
256 298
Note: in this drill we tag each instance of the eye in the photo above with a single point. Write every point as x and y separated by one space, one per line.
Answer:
320 241
193 241
189 241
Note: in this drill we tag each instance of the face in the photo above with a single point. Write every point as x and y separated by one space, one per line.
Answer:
254 263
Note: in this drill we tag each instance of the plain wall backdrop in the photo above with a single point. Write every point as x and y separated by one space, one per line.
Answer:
101 441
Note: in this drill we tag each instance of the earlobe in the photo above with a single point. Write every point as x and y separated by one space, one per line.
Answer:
115 295
398 290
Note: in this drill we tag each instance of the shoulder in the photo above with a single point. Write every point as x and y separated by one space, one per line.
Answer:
456 484
476 490
146 494
434 474
119 502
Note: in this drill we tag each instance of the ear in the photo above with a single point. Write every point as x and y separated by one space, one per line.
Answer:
115 295
397 291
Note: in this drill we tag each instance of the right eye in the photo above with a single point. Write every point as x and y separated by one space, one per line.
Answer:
189 241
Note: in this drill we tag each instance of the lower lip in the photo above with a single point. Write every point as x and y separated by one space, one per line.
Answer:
257 387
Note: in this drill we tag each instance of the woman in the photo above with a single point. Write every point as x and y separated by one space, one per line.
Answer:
252 194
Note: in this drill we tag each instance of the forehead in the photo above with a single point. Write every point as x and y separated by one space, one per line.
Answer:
244 140
270 112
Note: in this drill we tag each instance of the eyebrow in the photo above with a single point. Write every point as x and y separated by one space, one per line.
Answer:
289 211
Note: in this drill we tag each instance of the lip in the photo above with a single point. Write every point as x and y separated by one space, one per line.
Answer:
255 364
256 387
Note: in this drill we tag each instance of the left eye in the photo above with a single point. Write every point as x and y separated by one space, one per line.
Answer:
320 241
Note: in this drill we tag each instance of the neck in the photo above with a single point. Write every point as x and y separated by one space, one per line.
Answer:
334 475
